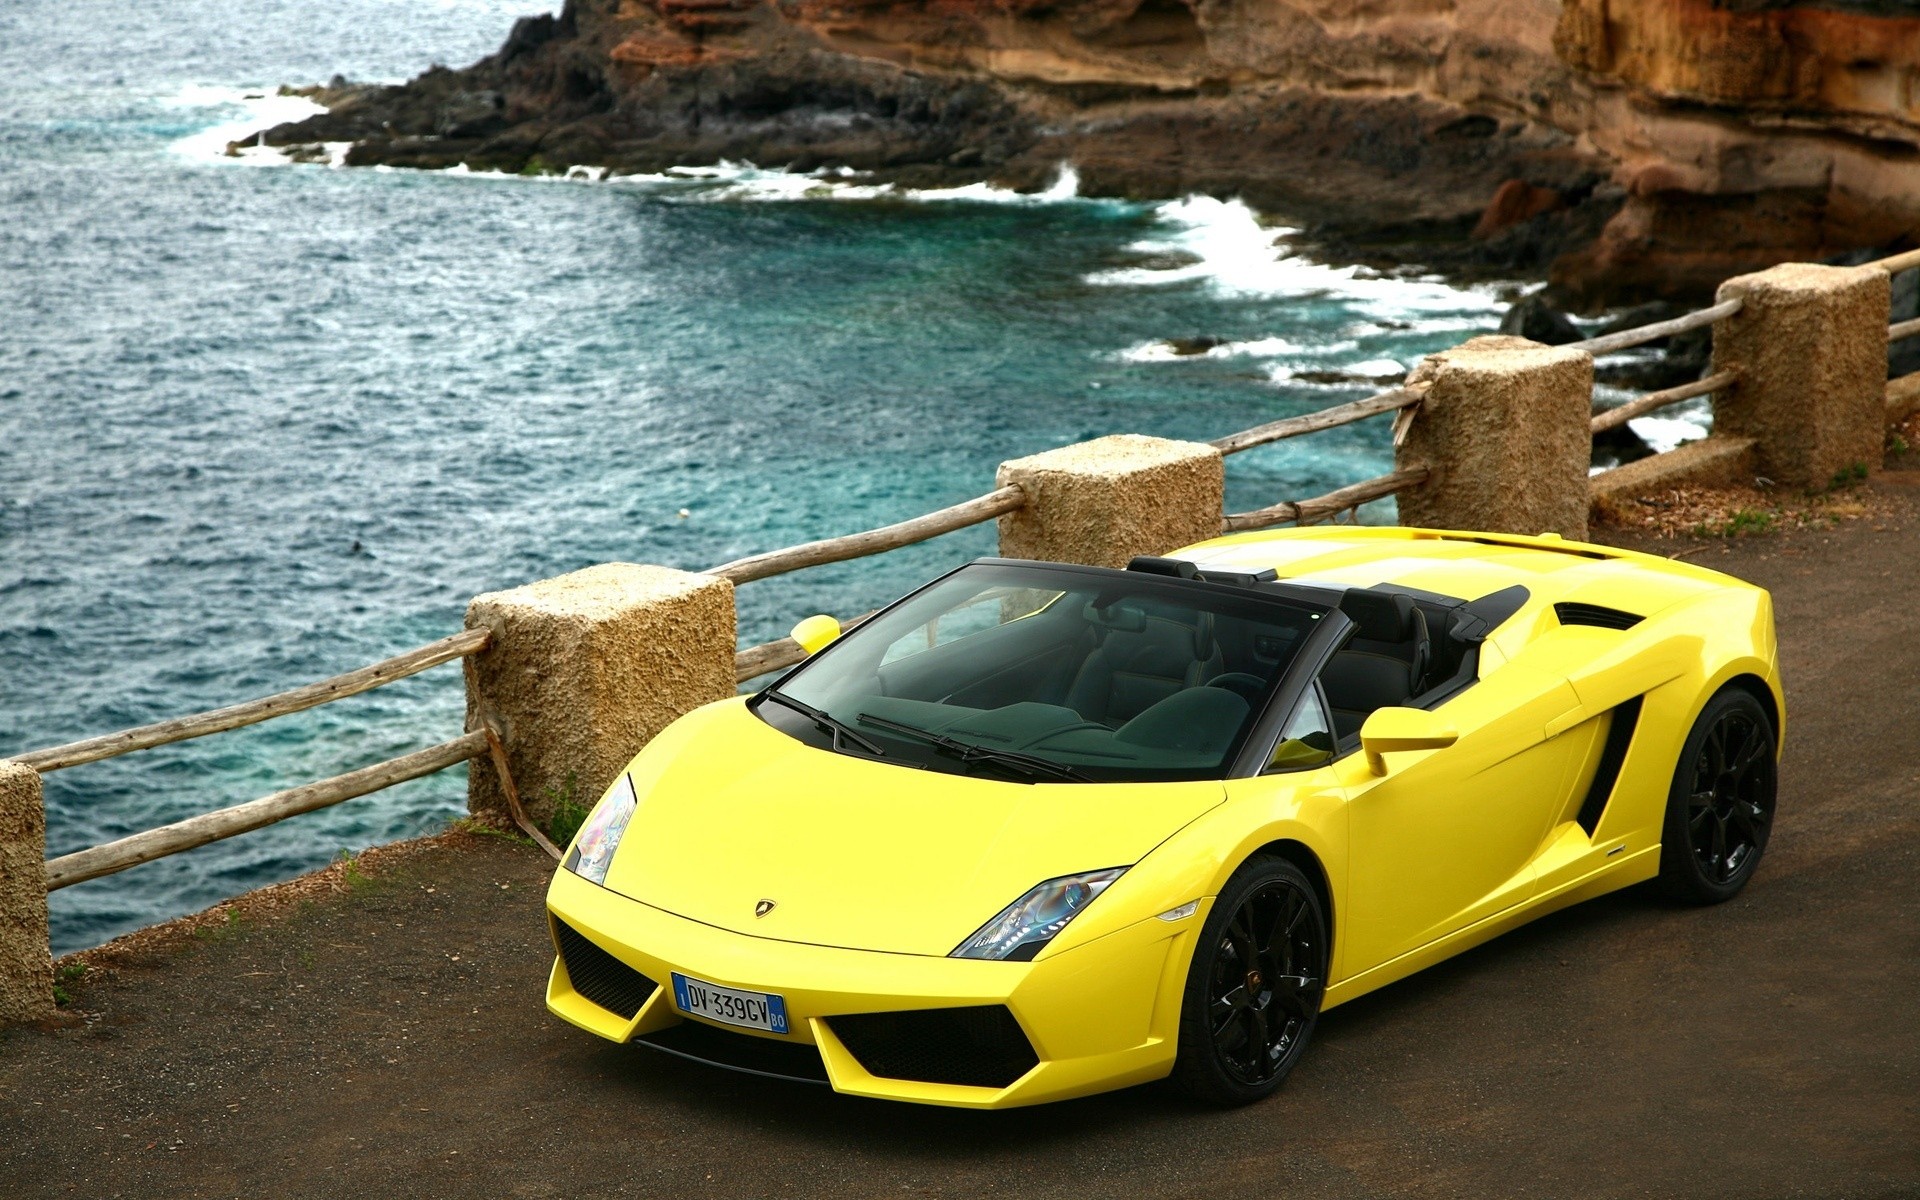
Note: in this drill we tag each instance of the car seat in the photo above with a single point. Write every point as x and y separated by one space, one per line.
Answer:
1384 663
1140 660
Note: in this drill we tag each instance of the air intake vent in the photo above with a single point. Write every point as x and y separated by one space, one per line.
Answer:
601 977
1596 615
1620 727
972 1047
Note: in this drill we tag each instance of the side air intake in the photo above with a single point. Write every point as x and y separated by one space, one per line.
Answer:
599 976
1613 755
974 1047
1596 615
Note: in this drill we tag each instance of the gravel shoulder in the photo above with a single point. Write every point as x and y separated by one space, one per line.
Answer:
379 1030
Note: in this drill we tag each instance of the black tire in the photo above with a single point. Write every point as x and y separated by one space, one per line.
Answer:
1254 986
1720 806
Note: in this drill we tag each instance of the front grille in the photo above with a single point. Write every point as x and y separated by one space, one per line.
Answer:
599 976
738 1051
972 1047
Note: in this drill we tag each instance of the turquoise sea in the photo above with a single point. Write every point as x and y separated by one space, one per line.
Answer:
261 423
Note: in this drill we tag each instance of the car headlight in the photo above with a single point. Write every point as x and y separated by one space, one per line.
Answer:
599 834
1029 923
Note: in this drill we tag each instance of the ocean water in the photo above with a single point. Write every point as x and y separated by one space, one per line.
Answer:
261 423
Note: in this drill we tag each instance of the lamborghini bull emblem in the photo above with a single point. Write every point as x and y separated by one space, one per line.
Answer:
763 908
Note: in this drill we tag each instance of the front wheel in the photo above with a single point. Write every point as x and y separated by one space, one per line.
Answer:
1720 807
1254 986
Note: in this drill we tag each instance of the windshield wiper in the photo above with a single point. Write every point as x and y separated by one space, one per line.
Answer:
832 726
969 752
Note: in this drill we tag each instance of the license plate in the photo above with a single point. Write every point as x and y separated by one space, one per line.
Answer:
730 1006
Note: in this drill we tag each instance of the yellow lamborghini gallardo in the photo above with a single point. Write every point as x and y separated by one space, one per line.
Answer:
1037 830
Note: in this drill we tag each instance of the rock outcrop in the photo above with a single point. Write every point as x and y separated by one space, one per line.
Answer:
1639 146
1745 132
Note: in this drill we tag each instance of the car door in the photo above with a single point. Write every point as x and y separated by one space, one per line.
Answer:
1447 837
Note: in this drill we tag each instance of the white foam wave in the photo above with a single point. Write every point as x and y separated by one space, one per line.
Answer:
1375 368
241 111
1270 347
722 182
1234 255
737 182
1668 432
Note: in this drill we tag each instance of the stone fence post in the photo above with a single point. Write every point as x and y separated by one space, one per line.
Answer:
585 669
1503 433
26 967
1104 501
1810 345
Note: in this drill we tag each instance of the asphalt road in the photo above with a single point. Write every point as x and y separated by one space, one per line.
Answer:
388 1039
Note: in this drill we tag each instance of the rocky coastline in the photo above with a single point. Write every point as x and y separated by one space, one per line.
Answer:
1626 150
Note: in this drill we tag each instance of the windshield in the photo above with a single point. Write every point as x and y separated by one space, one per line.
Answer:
1046 673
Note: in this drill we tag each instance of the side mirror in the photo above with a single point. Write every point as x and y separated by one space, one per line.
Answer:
1392 729
815 633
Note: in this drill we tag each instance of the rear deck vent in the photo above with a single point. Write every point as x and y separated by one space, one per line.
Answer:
973 1047
1594 614
601 977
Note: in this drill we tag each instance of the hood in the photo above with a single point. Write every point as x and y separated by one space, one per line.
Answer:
857 853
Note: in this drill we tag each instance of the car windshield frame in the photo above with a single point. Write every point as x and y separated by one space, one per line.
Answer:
1298 621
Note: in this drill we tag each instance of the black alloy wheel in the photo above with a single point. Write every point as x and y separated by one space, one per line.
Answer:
1720 808
1254 987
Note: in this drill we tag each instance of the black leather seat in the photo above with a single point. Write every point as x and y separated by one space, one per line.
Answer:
1140 662
1382 665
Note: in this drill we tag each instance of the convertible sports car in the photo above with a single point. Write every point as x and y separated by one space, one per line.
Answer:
1037 831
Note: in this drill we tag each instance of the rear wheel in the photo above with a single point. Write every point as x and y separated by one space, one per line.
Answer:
1720 808
1254 987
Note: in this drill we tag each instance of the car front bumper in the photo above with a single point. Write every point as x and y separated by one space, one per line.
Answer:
1100 1016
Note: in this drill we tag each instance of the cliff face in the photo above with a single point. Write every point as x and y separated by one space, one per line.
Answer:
1704 135
1746 131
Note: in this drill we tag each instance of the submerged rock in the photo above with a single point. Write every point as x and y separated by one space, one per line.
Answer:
1165 260
1536 320
1640 315
1383 378
1618 446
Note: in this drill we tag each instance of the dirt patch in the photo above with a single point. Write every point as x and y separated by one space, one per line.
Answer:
1742 511
347 876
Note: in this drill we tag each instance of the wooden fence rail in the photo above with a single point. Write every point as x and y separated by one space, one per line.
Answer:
1627 339
1321 507
1901 330
1613 418
873 541
777 655
106 859
180 729
1326 418
766 658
